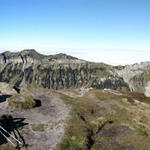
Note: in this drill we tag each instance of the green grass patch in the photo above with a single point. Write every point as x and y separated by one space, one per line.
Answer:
87 122
106 96
7 147
83 124
77 131
141 129
38 127
28 102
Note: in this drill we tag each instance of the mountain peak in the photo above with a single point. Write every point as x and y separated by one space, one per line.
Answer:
29 51
32 53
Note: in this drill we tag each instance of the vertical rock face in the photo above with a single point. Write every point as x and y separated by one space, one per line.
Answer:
29 68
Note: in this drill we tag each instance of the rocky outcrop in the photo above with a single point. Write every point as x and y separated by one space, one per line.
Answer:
137 76
147 89
6 90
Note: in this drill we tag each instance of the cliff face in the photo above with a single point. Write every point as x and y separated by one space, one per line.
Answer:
29 68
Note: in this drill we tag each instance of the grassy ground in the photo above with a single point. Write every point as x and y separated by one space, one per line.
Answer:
102 121
39 127
7 147
27 103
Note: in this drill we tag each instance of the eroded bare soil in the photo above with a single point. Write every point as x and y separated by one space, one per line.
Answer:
43 126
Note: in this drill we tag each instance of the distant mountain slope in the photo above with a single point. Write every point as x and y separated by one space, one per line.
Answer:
137 76
29 68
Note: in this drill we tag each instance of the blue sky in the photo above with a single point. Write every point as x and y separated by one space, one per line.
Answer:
110 31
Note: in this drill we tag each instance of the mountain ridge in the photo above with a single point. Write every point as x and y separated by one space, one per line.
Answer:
35 55
30 68
31 52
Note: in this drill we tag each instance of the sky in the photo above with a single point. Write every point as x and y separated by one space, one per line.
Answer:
110 31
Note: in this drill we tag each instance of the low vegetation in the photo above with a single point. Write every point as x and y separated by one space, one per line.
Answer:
106 122
137 95
7 147
38 127
83 125
22 101
78 131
